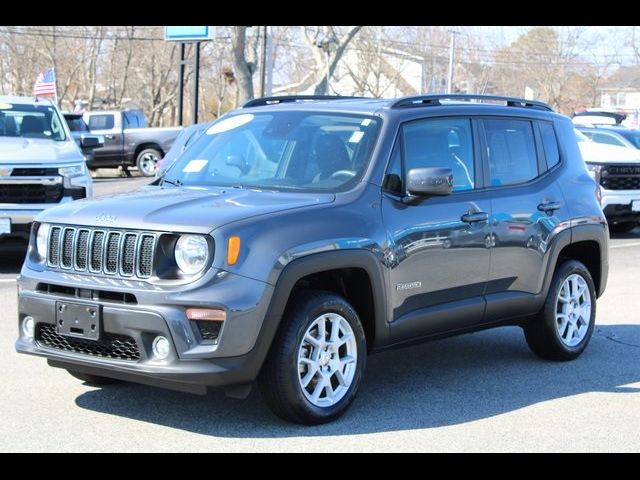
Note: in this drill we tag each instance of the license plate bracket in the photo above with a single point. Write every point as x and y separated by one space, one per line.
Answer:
79 320
635 206
5 226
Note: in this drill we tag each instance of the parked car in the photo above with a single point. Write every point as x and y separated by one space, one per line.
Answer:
630 135
128 140
79 129
299 234
41 165
617 171
598 116
607 136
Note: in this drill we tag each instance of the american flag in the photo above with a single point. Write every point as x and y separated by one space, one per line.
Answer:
45 83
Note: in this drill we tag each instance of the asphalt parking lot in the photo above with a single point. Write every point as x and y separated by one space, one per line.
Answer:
479 392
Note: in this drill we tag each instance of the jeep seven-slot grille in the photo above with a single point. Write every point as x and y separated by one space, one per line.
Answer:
109 252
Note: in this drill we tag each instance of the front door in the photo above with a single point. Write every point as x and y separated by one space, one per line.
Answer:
111 153
438 250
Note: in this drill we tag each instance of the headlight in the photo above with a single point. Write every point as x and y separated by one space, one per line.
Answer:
41 240
73 171
192 253
595 171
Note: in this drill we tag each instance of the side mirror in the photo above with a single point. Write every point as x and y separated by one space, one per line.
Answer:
425 182
238 161
92 141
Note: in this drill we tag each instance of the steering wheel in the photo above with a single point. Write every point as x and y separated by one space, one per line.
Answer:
339 173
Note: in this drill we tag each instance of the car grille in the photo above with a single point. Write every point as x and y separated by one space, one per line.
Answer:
30 193
108 252
34 172
121 347
620 177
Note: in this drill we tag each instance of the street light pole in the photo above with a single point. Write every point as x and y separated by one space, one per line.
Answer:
451 58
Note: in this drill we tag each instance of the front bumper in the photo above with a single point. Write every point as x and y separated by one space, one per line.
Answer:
616 205
194 363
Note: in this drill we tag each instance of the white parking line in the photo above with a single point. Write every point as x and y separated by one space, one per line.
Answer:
7 280
634 244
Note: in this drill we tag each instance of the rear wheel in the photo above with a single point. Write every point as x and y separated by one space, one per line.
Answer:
564 327
147 162
622 227
92 379
317 361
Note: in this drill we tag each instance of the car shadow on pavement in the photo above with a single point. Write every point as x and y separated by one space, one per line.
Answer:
442 383
12 257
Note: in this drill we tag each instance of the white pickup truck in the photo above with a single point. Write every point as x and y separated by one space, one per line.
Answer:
617 171
40 164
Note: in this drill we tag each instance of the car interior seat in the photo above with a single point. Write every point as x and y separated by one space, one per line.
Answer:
32 126
331 156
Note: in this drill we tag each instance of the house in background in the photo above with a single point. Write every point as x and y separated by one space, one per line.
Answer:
621 92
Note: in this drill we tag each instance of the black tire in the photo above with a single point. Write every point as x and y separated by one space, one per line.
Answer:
92 379
145 159
542 334
278 380
622 227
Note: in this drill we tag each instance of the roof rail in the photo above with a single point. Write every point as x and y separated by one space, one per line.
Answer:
431 100
259 102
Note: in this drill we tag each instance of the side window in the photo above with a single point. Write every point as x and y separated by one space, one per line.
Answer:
442 142
100 122
512 152
393 178
142 122
550 144
130 120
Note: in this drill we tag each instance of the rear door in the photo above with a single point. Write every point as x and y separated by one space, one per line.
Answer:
111 127
527 205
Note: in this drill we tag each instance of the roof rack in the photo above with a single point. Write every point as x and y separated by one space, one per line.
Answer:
431 100
259 102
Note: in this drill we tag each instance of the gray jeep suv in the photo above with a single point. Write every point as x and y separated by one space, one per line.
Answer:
299 234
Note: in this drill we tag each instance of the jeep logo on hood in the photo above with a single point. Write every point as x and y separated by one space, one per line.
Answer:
104 218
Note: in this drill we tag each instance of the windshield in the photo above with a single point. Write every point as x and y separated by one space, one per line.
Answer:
30 121
289 150
581 136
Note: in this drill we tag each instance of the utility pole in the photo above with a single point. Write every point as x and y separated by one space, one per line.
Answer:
269 62
451 55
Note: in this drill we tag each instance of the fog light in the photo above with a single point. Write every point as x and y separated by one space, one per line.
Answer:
161 347
28 327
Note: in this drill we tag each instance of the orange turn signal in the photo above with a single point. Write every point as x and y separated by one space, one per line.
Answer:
209 314
233 250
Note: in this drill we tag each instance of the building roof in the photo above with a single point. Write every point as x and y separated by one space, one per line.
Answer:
625 78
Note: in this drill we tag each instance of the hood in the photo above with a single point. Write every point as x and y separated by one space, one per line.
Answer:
178 209
23 151
603 153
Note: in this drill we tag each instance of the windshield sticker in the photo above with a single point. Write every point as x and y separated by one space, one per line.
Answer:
5 106
366 122
230 123
356 137
195 166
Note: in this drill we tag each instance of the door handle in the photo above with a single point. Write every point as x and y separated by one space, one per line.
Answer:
110 136
475 217
549 207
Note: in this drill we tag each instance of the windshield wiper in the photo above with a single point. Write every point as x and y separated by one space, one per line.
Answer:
175 183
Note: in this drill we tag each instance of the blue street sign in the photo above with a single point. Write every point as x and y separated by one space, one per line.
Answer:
182 33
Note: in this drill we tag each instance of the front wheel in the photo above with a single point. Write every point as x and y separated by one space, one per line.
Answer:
317 360
564 327
147 162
